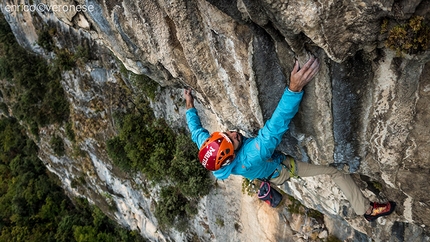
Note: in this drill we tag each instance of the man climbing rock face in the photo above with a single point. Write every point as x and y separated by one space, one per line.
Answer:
226 153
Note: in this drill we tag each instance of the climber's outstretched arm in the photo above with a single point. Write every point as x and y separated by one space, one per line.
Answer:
198 133
271 134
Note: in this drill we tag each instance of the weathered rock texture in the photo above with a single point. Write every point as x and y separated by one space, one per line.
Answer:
366 111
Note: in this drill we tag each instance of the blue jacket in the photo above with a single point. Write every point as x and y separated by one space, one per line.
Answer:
256 158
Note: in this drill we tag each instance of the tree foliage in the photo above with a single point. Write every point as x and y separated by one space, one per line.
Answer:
57 145
186 171
34 86
34 208
172 209
149 145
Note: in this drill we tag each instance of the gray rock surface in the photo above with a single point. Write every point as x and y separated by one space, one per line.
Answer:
366 111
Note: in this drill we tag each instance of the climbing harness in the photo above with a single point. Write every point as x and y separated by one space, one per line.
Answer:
292 169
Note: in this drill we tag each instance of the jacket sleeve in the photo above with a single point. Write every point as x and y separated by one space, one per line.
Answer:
271 134
198 133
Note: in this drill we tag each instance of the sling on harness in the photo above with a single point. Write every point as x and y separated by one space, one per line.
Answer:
267 193
293 170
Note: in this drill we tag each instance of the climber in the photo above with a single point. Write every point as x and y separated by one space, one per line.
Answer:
230 152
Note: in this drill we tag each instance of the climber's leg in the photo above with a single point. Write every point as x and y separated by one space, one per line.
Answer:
351 191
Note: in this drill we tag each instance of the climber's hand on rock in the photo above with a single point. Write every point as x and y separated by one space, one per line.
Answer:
189 99
302 76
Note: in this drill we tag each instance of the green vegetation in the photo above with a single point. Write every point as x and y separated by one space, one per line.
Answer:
148 145
249 187
332 238
384 26
377 185
57 145
45 40
80 181
139 142
410 38
294 205
33 85
82 54
173 209
69 132
148 86
315 214
219 222
4 108
34 208
144 144
65 60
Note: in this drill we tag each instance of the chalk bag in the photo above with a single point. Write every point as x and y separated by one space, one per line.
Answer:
269 195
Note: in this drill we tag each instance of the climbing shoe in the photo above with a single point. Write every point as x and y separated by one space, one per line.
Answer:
380 209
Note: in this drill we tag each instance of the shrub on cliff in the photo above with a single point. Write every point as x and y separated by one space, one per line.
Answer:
148 145
186 171
142 145
412 37
34 208
57 145
173 209
33 89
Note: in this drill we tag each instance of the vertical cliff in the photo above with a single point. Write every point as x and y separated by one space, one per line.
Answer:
366 111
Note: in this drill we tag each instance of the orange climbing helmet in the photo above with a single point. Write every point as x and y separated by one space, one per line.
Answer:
216 151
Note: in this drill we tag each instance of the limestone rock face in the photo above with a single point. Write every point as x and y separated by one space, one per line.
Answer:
366 111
